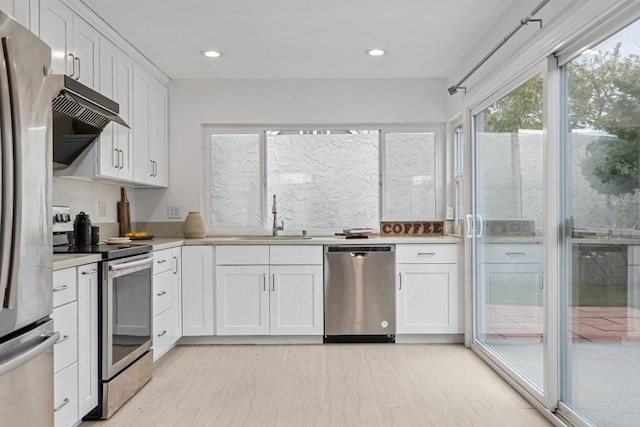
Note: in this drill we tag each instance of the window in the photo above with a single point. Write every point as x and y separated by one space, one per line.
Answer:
235 183
325 180
409 170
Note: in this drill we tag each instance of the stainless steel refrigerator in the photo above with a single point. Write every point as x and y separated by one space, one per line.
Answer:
26 331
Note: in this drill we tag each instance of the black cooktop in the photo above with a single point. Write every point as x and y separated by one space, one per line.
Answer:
107 251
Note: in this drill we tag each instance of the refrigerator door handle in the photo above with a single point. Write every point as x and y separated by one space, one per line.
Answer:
35 351
14 185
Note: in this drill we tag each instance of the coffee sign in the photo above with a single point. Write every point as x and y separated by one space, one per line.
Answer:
412 228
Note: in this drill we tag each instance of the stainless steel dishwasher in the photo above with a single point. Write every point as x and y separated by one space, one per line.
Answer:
359 293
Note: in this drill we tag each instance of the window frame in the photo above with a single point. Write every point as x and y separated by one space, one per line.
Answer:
263 131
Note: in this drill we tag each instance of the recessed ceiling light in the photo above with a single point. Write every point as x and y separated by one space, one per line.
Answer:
375 52
211 53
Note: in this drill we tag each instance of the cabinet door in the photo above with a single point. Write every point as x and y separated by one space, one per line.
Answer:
427 298
65 350
56 21
242 300
177 293
86 48
197 291
87 338
65 397
108 155
142 168
158 133
18 10
123 95
296 306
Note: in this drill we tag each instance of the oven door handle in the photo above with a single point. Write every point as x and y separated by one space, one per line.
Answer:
131 264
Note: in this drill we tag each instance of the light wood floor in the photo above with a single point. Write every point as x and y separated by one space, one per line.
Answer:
325 385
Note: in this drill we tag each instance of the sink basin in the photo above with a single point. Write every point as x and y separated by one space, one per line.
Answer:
270 238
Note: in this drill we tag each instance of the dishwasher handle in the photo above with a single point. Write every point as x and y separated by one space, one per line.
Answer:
359 250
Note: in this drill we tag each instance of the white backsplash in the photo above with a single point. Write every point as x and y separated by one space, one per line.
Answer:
84 195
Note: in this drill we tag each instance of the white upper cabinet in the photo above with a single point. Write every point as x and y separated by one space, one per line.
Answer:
149 129
83 53
56 21
115 157
74 43
18 10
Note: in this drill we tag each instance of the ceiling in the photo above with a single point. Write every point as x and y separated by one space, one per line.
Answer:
302 39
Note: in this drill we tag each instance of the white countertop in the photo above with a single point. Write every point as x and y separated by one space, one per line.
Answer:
322 240
159 243
61 261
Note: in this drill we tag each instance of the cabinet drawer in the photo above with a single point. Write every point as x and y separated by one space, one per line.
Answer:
65 396
64 286
65 321
513 253
427 254
163 333
162 292
163 261
296 254
242 255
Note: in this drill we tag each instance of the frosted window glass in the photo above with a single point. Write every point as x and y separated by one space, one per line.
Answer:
410 191
235 181
324 182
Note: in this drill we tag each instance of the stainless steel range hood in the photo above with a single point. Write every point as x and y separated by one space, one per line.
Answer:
79 115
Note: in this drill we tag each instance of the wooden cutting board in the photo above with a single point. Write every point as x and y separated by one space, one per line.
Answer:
124 217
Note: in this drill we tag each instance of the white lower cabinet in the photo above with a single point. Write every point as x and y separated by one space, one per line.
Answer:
242 300
87 338
197 291
166 300
254 296
75 355
427 289
296 300
65 396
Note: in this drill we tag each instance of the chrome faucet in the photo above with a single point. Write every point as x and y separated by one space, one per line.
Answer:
276 227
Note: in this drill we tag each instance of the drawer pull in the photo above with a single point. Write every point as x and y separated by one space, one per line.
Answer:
161 293
162 261
62 405
62 339
514 253
426 253
89 272
61 288
162 333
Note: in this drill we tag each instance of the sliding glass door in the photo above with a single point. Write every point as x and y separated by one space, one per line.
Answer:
506 229
601 345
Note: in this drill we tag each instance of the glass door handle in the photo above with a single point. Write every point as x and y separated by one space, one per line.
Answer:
470 229
480 225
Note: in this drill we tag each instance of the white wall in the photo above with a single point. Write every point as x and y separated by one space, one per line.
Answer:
193 103
82 195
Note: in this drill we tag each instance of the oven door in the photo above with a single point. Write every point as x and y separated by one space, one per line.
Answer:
126 312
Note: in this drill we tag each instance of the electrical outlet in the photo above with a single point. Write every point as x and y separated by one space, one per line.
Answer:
174 212
102 208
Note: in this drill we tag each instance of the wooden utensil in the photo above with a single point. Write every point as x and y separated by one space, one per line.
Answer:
124 218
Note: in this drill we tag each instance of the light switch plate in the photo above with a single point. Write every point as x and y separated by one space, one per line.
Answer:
449 213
